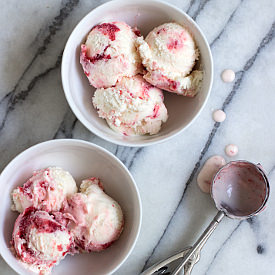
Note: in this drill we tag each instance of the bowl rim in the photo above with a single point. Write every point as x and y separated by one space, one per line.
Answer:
74 142
87 124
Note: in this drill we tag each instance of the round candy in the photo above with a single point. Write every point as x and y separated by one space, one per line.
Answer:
228 75
219 116
231 150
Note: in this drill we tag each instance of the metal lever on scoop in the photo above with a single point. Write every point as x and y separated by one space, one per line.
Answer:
162 266
202 239
243 202
193 259
168 265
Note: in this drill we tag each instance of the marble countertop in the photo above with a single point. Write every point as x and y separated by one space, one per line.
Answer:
241 34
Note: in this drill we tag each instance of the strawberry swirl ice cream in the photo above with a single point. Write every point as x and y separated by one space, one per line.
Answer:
132 107
39 241
55 220
169 54
96 219
45 190
110 53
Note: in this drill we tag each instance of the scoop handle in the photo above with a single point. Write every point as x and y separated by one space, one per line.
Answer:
200 242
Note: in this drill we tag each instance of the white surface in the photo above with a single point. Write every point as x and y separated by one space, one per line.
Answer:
175 211
145 15
83 160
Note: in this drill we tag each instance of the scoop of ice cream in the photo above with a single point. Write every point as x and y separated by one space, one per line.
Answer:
110 53
169 54
97 219
40 241
45 190
132 107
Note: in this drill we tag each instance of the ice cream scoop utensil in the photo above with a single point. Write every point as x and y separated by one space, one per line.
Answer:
240 190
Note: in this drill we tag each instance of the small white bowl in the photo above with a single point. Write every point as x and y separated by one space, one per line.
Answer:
82 159
145 14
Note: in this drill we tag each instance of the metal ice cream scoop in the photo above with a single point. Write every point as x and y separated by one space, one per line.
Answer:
240 190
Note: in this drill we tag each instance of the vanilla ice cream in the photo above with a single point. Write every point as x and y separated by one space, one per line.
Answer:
132 107
169 54
39 241
96 218
45 190
110 53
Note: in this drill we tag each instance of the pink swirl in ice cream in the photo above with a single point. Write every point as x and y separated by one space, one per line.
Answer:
169 54
96 218
45 190
109 53
132 107
40 241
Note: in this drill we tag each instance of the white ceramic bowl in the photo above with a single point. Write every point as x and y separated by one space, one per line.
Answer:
145 14
82 160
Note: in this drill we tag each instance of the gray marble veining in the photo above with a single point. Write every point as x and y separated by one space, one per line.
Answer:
241 34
